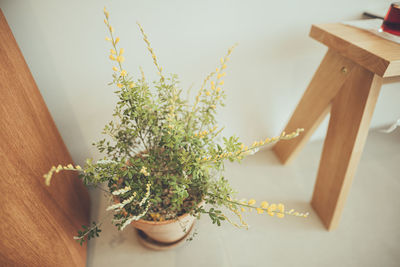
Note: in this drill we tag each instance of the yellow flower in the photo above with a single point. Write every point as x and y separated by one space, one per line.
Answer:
107 38
242 209
131 85
112 51
216 69
111 29
123 73
223 74
112 57
219 75
120 59
105 21
106 12
145 173
281 207
224 66
208 93
260 211
221 83
121 51
264 204
280 215
218 89
272 207
270 213
115 69
116 40
222 60
252 201
212 85
119 85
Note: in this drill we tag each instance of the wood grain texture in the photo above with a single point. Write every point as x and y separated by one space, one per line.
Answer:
37 223
351 114
374 53
315 103
369 61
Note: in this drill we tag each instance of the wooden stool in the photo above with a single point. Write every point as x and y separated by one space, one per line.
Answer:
347 85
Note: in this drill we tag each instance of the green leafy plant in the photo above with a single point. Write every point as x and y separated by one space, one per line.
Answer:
87 233
164 155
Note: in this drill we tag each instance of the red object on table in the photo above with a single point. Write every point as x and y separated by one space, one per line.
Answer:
391 23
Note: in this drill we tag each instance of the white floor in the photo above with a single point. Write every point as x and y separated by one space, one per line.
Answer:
368 235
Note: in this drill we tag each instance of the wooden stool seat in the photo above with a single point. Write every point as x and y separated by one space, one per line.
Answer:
346 84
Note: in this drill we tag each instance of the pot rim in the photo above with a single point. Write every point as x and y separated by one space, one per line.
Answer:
168 221
163 222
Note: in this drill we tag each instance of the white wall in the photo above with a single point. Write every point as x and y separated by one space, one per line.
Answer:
63 44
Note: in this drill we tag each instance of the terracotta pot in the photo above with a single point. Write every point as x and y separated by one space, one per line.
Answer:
167 232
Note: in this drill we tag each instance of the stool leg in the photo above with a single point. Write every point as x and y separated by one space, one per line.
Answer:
351 114
315 103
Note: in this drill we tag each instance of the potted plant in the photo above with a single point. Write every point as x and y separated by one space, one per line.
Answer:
164 156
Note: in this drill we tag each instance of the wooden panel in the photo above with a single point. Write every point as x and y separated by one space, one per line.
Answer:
315 103
37 222
367 49
351 114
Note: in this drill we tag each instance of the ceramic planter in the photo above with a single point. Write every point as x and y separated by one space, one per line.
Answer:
165 234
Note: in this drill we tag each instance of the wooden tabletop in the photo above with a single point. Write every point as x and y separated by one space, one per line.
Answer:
374 53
